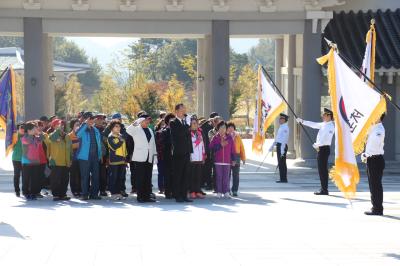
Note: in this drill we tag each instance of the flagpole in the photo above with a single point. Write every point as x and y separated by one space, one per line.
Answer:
284 99
2 73
348 61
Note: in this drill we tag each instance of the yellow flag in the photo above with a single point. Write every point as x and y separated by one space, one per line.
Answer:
345 173
268 106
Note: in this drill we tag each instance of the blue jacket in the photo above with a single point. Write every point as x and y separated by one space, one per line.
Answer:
84 137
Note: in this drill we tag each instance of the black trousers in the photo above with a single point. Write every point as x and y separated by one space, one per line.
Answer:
75 177
103 177
116 178
168 178
196 173
181 173
375 166
322 159
133 180
235 177
59 180
143 174
17 174
282 161
32 178
207 172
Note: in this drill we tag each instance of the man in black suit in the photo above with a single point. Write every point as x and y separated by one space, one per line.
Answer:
181 150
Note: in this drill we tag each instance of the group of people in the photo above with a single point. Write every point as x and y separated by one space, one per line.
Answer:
91 154
373 155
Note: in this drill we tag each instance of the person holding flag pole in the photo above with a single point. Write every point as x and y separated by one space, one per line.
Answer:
323 146
269 104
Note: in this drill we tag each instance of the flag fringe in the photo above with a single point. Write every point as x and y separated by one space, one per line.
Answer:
373 49
341 169
360 141
271 117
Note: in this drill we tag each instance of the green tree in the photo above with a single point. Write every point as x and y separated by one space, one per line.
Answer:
263 53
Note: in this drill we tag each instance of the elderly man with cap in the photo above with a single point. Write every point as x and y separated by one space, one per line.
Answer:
89 156
144 155
281 140
323 146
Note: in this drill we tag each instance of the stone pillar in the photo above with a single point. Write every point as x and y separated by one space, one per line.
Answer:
200 76
39 92
207 88
278 72
397 115
291 63
311 86
220 67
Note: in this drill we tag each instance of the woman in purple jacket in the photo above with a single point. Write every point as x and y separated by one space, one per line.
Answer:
224 157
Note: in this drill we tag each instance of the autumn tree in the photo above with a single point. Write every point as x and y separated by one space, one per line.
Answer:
173 94
247 84
108 99
70 98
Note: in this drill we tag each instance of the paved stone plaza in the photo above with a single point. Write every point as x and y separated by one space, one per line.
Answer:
269 224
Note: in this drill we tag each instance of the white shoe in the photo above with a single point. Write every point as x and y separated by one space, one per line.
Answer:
226 195
219 195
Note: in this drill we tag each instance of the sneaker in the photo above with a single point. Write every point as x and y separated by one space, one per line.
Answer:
124 194
44 192
65 198
18 194
193 195
200 195
219 195
103 194
234 194
226 195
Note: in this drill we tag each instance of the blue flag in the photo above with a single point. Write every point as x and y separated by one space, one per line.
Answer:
8 108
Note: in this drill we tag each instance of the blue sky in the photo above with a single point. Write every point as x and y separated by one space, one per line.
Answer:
103 48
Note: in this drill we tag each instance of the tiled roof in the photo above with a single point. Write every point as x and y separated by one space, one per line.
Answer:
348 31
14 56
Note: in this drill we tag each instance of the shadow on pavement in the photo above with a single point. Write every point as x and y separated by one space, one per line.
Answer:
211 203
8 230
339 205
392 255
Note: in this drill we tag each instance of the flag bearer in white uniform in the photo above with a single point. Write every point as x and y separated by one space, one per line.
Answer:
323 146
281 140
373 156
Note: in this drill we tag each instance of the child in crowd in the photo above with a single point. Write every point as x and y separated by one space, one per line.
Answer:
117 160
59 155
16 159
197 159
240 155
33 158
74 173
224 157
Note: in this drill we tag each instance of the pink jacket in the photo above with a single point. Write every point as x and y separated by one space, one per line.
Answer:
223 155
